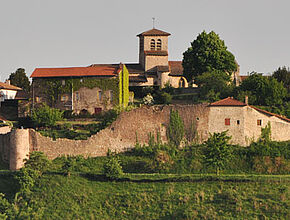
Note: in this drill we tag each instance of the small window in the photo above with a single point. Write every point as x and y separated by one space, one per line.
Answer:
77 96
63 82
181 83
158 44
63 98
227 121
100 95
111 96
152 44
238 122
197 118
259 122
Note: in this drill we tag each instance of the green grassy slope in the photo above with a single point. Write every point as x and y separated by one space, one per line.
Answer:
85 197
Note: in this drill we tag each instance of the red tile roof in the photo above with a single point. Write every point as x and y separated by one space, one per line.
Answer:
100 70
8 86
232 102
228 102
270 113
176 68
154 32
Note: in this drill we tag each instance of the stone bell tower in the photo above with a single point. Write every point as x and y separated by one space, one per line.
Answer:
153 49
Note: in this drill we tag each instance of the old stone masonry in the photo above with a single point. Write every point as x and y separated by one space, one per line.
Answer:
242 121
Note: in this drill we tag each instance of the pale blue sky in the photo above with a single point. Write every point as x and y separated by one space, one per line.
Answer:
60 33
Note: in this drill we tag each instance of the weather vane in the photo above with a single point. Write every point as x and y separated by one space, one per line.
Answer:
153 21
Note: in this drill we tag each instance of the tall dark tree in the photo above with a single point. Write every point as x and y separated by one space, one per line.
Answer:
282 74
206 54
20 79
267 91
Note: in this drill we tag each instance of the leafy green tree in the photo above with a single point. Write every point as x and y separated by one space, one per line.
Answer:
207 53
46 116
20 79
176 128
266 90
218 152
282 74
214 85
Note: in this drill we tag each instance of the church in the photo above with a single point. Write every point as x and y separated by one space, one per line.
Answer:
153 68
96 87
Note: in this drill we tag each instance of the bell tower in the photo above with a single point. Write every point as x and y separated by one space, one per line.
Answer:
153 49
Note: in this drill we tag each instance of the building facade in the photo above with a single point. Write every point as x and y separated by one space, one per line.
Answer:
81 89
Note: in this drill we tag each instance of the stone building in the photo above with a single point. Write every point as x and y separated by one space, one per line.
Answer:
81 89
244 122
10 96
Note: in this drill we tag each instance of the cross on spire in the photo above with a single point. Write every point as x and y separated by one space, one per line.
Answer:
153 21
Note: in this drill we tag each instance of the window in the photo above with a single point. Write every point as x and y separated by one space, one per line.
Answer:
238 122
152 44
158 44
181 83
259 122
227 121
111 96
77 96
63 82
63 98
100 95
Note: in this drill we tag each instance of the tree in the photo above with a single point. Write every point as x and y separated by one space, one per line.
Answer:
207 53
176 128
282 74
46 116
218 151
214 85
267 91
20 79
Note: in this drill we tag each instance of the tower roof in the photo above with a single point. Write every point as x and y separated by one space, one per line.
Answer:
154 32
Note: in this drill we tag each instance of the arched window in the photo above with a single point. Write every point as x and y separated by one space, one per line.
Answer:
181 83
159 44
152 44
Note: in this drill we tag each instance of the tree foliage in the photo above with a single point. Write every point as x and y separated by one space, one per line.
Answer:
207 53
176 128
266 90
218 151
20 79
46 116
214 85
282 74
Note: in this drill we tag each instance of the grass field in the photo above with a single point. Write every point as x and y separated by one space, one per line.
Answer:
159 196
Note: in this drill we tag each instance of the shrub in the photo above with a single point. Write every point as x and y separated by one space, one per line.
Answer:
175 131
26 178
112 168
38 161
46 116
218 151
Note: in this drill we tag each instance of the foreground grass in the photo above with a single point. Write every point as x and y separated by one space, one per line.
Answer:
146 196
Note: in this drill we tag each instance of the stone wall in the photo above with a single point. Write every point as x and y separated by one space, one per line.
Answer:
5 143
122 134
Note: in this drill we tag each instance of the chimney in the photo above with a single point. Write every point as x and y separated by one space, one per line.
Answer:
7 81
246 100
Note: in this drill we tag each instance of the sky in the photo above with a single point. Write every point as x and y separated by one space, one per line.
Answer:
67 33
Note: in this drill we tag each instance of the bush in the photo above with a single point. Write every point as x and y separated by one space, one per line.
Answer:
46 116
112 168
37 161
176 128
